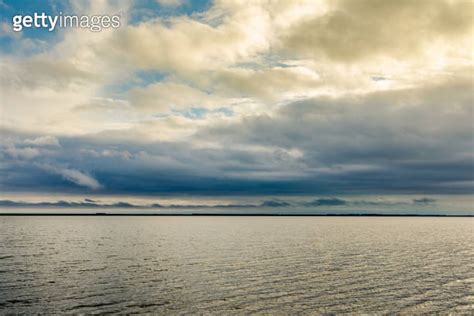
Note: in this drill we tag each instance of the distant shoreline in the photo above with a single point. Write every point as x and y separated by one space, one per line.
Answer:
235 214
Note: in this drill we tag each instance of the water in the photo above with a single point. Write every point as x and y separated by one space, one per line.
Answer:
236 265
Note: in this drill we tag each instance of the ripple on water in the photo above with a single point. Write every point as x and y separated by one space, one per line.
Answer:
236 265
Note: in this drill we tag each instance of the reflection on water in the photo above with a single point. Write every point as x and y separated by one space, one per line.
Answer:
236 265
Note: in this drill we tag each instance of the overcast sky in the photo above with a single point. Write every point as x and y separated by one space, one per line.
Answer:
254 101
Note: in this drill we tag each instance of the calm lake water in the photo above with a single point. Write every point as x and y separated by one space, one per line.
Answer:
236 265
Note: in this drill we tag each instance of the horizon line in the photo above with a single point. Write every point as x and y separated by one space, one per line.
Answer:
237 214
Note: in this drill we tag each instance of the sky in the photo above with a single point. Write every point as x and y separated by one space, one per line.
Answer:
345 105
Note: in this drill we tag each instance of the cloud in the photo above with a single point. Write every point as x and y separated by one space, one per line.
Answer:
326 202
87 203
403 141
171 3
39 72
79 178
43 141
22 153
268 84
424 201
261 98
75 176
165 96
185 45
289 205
7 30
384 137
351 31
275 203
244 57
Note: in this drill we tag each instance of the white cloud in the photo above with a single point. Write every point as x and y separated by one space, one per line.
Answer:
23 153
171 3
164 96
266 53
7 30
352 31
186 45
43 141
73 175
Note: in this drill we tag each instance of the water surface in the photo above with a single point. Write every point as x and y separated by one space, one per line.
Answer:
236 265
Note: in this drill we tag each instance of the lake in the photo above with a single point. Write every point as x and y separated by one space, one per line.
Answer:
236 265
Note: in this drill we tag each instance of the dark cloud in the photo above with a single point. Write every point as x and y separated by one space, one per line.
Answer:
62 204
326 202
275 203
86 204
393 141
266 204
405 141
424 201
